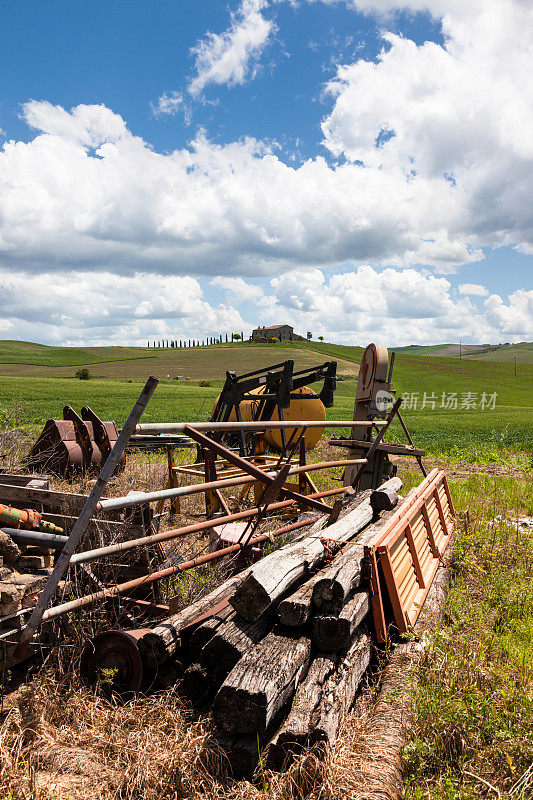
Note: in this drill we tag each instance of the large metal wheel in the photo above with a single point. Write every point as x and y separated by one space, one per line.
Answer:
112 659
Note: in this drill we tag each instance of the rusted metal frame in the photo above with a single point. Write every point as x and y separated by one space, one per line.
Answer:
136 498
100 433
88 571
448 495
414 556
335 512
391 449
119 547
225 470
147 605
403 527
121 588
242 437
394 594
285 453
376 599
383 537
212 612
175 506
377 440
269 496
213 498
429 530
283 434
254 471
416 503
87 512
440 509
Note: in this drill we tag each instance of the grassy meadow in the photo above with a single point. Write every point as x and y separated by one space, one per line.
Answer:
31 393
472 729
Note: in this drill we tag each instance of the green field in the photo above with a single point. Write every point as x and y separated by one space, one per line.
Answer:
502 433
505 353
208 362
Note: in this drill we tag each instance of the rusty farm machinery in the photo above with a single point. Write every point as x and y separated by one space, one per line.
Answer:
346 577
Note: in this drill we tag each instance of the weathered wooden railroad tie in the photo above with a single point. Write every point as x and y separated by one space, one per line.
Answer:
279 651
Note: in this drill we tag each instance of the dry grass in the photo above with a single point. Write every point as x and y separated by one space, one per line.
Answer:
67 743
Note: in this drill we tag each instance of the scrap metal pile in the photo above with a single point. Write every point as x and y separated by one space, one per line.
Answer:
278 649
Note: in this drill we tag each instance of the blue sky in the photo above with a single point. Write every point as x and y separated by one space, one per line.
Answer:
358 168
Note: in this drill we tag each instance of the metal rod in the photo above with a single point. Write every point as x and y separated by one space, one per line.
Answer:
418 458
378 439
196 527
86 513
253 425
112 591
136 498
51 540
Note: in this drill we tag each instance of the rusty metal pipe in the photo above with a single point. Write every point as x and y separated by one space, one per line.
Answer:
175 533
113 591
28 518
136 498
253 425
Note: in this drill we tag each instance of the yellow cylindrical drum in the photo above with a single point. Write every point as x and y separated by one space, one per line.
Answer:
299 409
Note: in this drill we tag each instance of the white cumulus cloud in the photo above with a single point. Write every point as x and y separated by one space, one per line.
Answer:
169 104
85 192
237 289
473 289
392 306
96 307
232 57
430 159
461 112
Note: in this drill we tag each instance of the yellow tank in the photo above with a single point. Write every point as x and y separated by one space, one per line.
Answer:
298 409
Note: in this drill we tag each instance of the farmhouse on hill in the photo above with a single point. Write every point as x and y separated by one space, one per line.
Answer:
283 333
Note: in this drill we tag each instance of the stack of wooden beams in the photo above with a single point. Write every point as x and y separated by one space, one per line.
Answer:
280 649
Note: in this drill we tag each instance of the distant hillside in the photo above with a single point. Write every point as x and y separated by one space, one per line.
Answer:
505 353
439 350
26 359
479 352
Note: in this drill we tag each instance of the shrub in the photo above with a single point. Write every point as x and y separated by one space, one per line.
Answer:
83 374
204 383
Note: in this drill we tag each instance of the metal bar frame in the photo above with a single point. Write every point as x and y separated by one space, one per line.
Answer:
86 514
252 470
